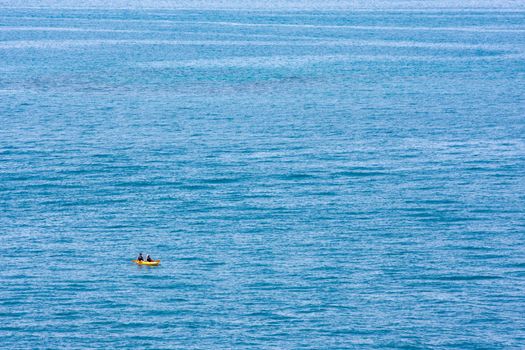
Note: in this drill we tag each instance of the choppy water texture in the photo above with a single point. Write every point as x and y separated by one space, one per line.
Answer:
336 179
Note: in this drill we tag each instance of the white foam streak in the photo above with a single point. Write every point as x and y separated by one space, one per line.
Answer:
308 60
359 27
64 44
66 29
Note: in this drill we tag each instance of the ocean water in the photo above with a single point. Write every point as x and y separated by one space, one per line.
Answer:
310 179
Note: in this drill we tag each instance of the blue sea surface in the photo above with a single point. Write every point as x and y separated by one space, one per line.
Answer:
309 179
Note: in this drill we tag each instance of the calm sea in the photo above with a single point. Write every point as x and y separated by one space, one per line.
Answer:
309 179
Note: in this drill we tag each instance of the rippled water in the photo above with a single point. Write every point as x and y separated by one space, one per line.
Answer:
343 179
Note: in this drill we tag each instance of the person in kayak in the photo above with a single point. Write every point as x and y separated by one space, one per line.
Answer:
149 259
140 258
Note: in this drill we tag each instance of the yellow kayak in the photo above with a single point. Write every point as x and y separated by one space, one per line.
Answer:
147 263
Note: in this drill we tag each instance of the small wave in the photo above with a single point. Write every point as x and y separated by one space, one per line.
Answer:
215 181
139 183
357 173
295 177
460 278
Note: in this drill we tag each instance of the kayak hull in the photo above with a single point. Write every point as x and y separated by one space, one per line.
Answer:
147 263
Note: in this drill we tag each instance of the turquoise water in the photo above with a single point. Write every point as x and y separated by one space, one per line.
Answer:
336 179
